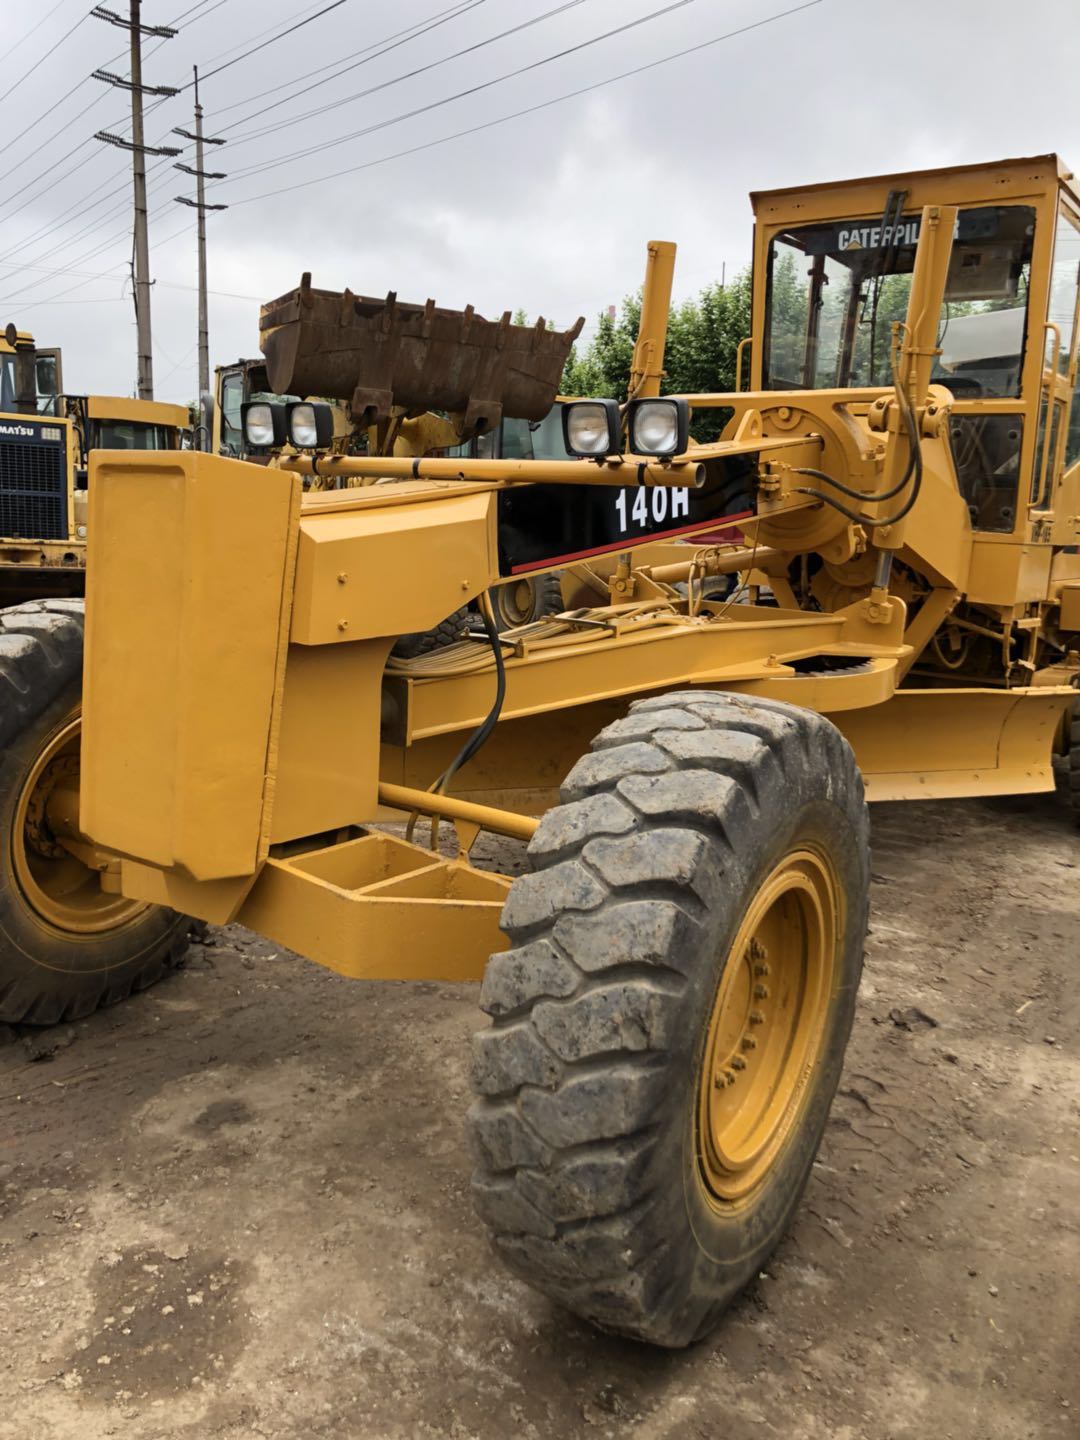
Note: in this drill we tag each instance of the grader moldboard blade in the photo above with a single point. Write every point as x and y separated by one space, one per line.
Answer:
380 354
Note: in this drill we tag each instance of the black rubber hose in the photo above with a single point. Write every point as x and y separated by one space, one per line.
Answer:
483 731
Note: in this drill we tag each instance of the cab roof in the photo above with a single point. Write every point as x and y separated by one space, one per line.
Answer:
949 184
140 412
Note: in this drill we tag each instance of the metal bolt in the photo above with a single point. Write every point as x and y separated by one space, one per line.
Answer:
757 950
738 1063
761 969
761 992
464 584
721 1082
342 624
756 1017
342 578
749 1043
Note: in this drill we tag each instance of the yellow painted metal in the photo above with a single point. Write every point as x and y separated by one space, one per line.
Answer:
142 412
604 661
948 743
356 569
647 366
379 908
767 1025
184 654
616 472
499 822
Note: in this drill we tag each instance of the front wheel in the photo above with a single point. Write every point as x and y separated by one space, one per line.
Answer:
670 1024
66 945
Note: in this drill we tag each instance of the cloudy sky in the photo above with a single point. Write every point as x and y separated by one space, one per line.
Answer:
346 156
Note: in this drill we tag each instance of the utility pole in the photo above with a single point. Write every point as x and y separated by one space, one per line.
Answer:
139 151
199 203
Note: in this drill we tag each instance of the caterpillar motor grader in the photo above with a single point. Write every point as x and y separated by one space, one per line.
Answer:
671 984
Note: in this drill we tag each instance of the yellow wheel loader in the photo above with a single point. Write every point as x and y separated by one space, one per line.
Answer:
671 984
65 945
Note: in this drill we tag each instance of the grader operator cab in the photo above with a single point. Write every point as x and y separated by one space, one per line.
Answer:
672 983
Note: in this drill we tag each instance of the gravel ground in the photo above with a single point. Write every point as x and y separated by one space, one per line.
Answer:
237 1206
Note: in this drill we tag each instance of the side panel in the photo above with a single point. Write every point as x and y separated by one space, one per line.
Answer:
189 586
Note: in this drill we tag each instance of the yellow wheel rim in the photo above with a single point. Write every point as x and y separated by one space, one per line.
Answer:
57 886
518 601
767 1026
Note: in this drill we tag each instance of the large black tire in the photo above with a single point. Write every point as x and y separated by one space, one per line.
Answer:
587 1127
50 973
424 642
1072 763
528 598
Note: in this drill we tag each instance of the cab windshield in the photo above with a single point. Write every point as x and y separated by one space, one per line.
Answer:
834 291
130 435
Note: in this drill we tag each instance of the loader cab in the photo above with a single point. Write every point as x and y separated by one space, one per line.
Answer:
110 422
235 384
22 364
833 272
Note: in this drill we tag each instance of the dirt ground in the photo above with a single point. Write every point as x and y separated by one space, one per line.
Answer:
238 1205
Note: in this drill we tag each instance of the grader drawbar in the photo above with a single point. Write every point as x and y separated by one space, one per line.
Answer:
672 983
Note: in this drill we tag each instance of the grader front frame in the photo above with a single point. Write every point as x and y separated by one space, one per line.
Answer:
672 984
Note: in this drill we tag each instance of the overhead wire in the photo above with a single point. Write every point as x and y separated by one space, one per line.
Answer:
41 61
471 90
531 109
35 154
422 69
411 32
46 17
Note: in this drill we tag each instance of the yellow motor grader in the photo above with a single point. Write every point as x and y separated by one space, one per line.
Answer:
671 984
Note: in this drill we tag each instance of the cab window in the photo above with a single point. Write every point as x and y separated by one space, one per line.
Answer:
7 384
232 397
834 291
129 435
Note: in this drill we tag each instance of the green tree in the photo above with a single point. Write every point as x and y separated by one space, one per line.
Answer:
703 336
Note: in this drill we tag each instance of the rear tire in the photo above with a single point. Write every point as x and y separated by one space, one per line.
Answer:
622 1169
528 598
424 642
65 946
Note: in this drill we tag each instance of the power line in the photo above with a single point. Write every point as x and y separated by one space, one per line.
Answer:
8 53
368 53
423 70
533 109
464 94
37 63
411 32
35 154
272 40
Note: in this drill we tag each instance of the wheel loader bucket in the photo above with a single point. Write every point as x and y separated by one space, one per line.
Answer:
384 354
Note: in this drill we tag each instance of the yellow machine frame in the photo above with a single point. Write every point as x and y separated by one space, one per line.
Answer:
242 724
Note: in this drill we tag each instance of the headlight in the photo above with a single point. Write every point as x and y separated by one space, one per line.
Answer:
658 427
310 425
264 425
592 427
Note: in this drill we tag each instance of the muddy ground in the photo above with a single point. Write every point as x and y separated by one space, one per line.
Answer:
237 1206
